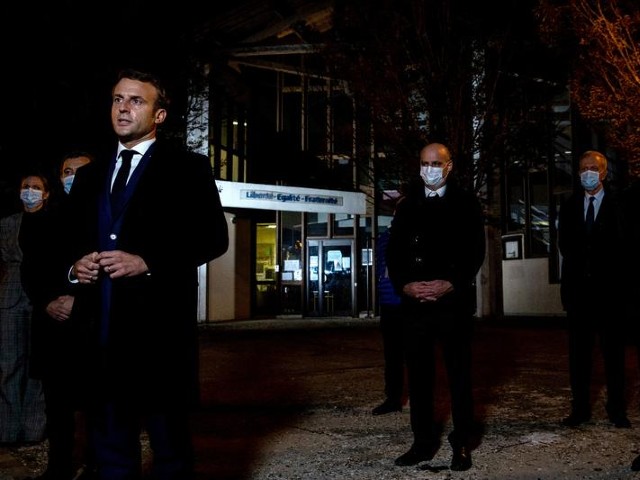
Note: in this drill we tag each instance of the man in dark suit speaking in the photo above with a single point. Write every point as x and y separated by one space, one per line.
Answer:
141 231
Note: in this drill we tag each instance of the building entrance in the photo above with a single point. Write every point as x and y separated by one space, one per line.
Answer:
330 278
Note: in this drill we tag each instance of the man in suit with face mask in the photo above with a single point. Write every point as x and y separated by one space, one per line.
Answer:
591 240
435 250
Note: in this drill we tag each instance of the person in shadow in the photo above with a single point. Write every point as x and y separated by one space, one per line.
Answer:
391 329
57 343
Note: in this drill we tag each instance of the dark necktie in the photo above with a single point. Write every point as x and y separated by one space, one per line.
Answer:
123 174
590 214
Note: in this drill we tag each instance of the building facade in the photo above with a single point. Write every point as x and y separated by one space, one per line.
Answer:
279 130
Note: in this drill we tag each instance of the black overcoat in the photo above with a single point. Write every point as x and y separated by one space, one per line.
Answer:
175 222
438 239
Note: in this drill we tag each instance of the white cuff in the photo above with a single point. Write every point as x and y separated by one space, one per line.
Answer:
71 277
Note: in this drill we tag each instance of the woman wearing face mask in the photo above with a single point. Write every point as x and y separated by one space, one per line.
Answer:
22 416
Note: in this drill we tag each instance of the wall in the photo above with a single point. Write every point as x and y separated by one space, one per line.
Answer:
220 285
526 288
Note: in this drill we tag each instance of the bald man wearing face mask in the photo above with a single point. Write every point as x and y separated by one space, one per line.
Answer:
435 250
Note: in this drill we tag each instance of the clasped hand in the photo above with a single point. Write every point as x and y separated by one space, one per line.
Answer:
429 291
60 308
114 263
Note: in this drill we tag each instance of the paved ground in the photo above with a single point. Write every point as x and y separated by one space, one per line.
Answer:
291 400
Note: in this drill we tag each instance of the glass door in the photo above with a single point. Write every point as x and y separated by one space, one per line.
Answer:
330 278
266 297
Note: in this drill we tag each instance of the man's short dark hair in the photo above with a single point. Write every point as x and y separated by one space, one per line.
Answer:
163 100
76 154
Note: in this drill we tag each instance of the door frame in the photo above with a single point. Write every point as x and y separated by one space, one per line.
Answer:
317 305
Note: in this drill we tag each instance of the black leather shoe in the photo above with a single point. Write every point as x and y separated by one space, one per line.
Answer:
415 455
575 419
386 407
635 465
620 421
86 473
461 460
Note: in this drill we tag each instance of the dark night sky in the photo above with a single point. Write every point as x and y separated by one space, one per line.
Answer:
58 63
59 60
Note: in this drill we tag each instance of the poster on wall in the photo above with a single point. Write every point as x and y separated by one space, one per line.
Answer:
512 247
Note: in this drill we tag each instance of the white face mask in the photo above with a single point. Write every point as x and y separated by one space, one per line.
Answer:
590 179
431 176
67 182
31 198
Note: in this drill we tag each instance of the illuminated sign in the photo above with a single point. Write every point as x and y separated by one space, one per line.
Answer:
287 198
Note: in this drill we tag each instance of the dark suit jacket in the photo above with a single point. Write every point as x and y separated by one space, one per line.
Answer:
53 348
175 222
438 239
592 264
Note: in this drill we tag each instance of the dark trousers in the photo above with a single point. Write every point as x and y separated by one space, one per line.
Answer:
391 329
63 397
60 410
424 330
116 436
584 328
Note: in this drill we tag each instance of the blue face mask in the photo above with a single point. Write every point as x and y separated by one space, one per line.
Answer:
590 179
31 198
67 182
